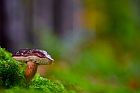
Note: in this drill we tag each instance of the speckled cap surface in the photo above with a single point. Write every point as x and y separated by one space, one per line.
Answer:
29 53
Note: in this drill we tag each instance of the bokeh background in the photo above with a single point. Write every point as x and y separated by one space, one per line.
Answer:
95 43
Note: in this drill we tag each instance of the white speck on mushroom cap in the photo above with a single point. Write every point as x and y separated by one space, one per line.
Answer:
47 55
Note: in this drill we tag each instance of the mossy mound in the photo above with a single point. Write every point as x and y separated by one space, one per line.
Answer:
46 85
9 70
12 77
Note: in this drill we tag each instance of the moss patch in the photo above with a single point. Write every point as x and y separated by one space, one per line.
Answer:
12 77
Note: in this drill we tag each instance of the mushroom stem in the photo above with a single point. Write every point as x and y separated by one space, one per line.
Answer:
30 70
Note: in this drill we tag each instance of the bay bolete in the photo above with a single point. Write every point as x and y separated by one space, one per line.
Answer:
33 58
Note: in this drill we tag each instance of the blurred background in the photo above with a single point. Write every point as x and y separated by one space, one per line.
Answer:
95 43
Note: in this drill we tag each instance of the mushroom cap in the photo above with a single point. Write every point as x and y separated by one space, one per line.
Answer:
36 55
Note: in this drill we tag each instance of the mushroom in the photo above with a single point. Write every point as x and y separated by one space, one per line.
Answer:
33 58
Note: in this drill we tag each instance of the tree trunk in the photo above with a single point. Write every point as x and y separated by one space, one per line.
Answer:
15 28
3 37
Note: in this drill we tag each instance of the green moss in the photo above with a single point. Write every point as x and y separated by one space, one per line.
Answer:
46 85
9 70
12 77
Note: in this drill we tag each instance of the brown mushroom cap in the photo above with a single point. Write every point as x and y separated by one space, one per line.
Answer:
36 55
